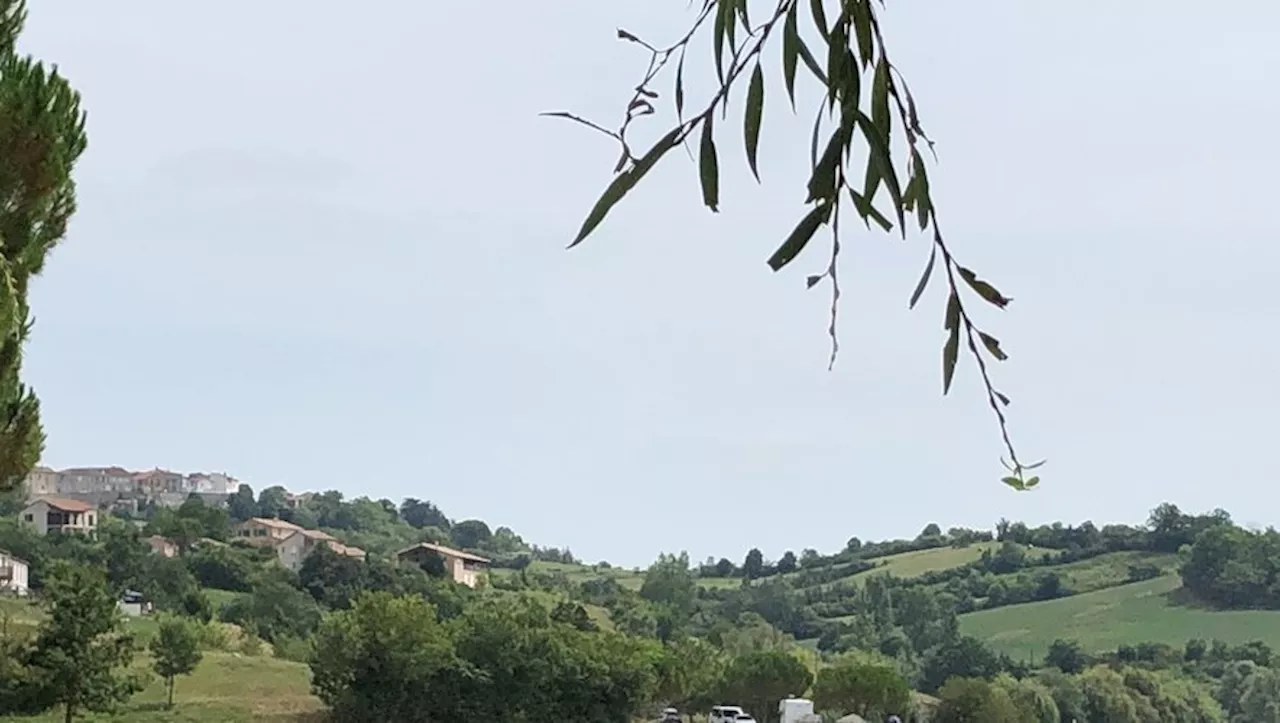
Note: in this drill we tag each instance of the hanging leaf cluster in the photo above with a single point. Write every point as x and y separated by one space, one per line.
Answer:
866 111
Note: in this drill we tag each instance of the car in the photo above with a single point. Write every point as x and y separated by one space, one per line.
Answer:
728 714
744 718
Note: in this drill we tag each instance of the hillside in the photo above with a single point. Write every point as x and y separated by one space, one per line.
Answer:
1103 620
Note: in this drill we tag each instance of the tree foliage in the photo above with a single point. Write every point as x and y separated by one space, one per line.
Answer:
872 690
760 679
41 138
865 104
80 657
175 650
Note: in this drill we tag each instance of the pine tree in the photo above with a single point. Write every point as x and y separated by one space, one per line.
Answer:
41 137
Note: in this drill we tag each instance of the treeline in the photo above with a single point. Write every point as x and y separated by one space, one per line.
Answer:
379 526
905 634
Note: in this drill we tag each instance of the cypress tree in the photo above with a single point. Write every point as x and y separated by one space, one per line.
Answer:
41 137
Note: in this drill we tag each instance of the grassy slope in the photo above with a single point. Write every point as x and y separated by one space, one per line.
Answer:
226 688
1105 619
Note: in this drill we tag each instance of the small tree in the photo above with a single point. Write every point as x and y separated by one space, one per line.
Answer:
177 651
80 653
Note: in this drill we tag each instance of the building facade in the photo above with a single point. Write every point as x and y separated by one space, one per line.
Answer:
42 481
464 567
57 514
15 575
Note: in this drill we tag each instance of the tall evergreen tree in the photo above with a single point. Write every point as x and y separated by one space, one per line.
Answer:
41 137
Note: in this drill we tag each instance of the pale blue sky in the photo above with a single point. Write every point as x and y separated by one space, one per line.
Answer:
322 246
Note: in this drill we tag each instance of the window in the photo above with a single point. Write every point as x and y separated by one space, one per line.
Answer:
91 520
29 517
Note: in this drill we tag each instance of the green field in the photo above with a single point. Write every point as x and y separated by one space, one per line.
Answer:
226 688
1106 619
919 562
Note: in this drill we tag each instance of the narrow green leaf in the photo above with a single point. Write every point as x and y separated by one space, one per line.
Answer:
951 321
1032 482
752 117
812 63
1013 482
868 212
718 39
984 289
822 184
861 18
880 98
923 202
799 236
950 352
924 278
813 140
993 346
680 87
835 59
625 181
742 12
709 166
731 22
820 18
790 53
1034 465
812 281
879 152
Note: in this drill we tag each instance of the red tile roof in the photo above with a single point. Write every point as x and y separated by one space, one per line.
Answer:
65 505
273 522
446 551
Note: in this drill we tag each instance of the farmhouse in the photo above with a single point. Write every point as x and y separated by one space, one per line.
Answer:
57 514
465 568
293 549
265 531
291 542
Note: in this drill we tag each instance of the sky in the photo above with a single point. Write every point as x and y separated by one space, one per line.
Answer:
324 248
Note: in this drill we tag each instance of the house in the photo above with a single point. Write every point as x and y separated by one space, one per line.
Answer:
212 483
14 575
58 514
42 481
465 568
90 480
264 531
159 481
162 546
293 549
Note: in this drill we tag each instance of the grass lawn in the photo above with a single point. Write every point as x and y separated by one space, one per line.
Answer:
1124 615
226 688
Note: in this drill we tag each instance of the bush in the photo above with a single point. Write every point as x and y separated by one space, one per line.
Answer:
299 650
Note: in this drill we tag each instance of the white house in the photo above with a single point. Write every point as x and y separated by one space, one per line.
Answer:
57 514
14 575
